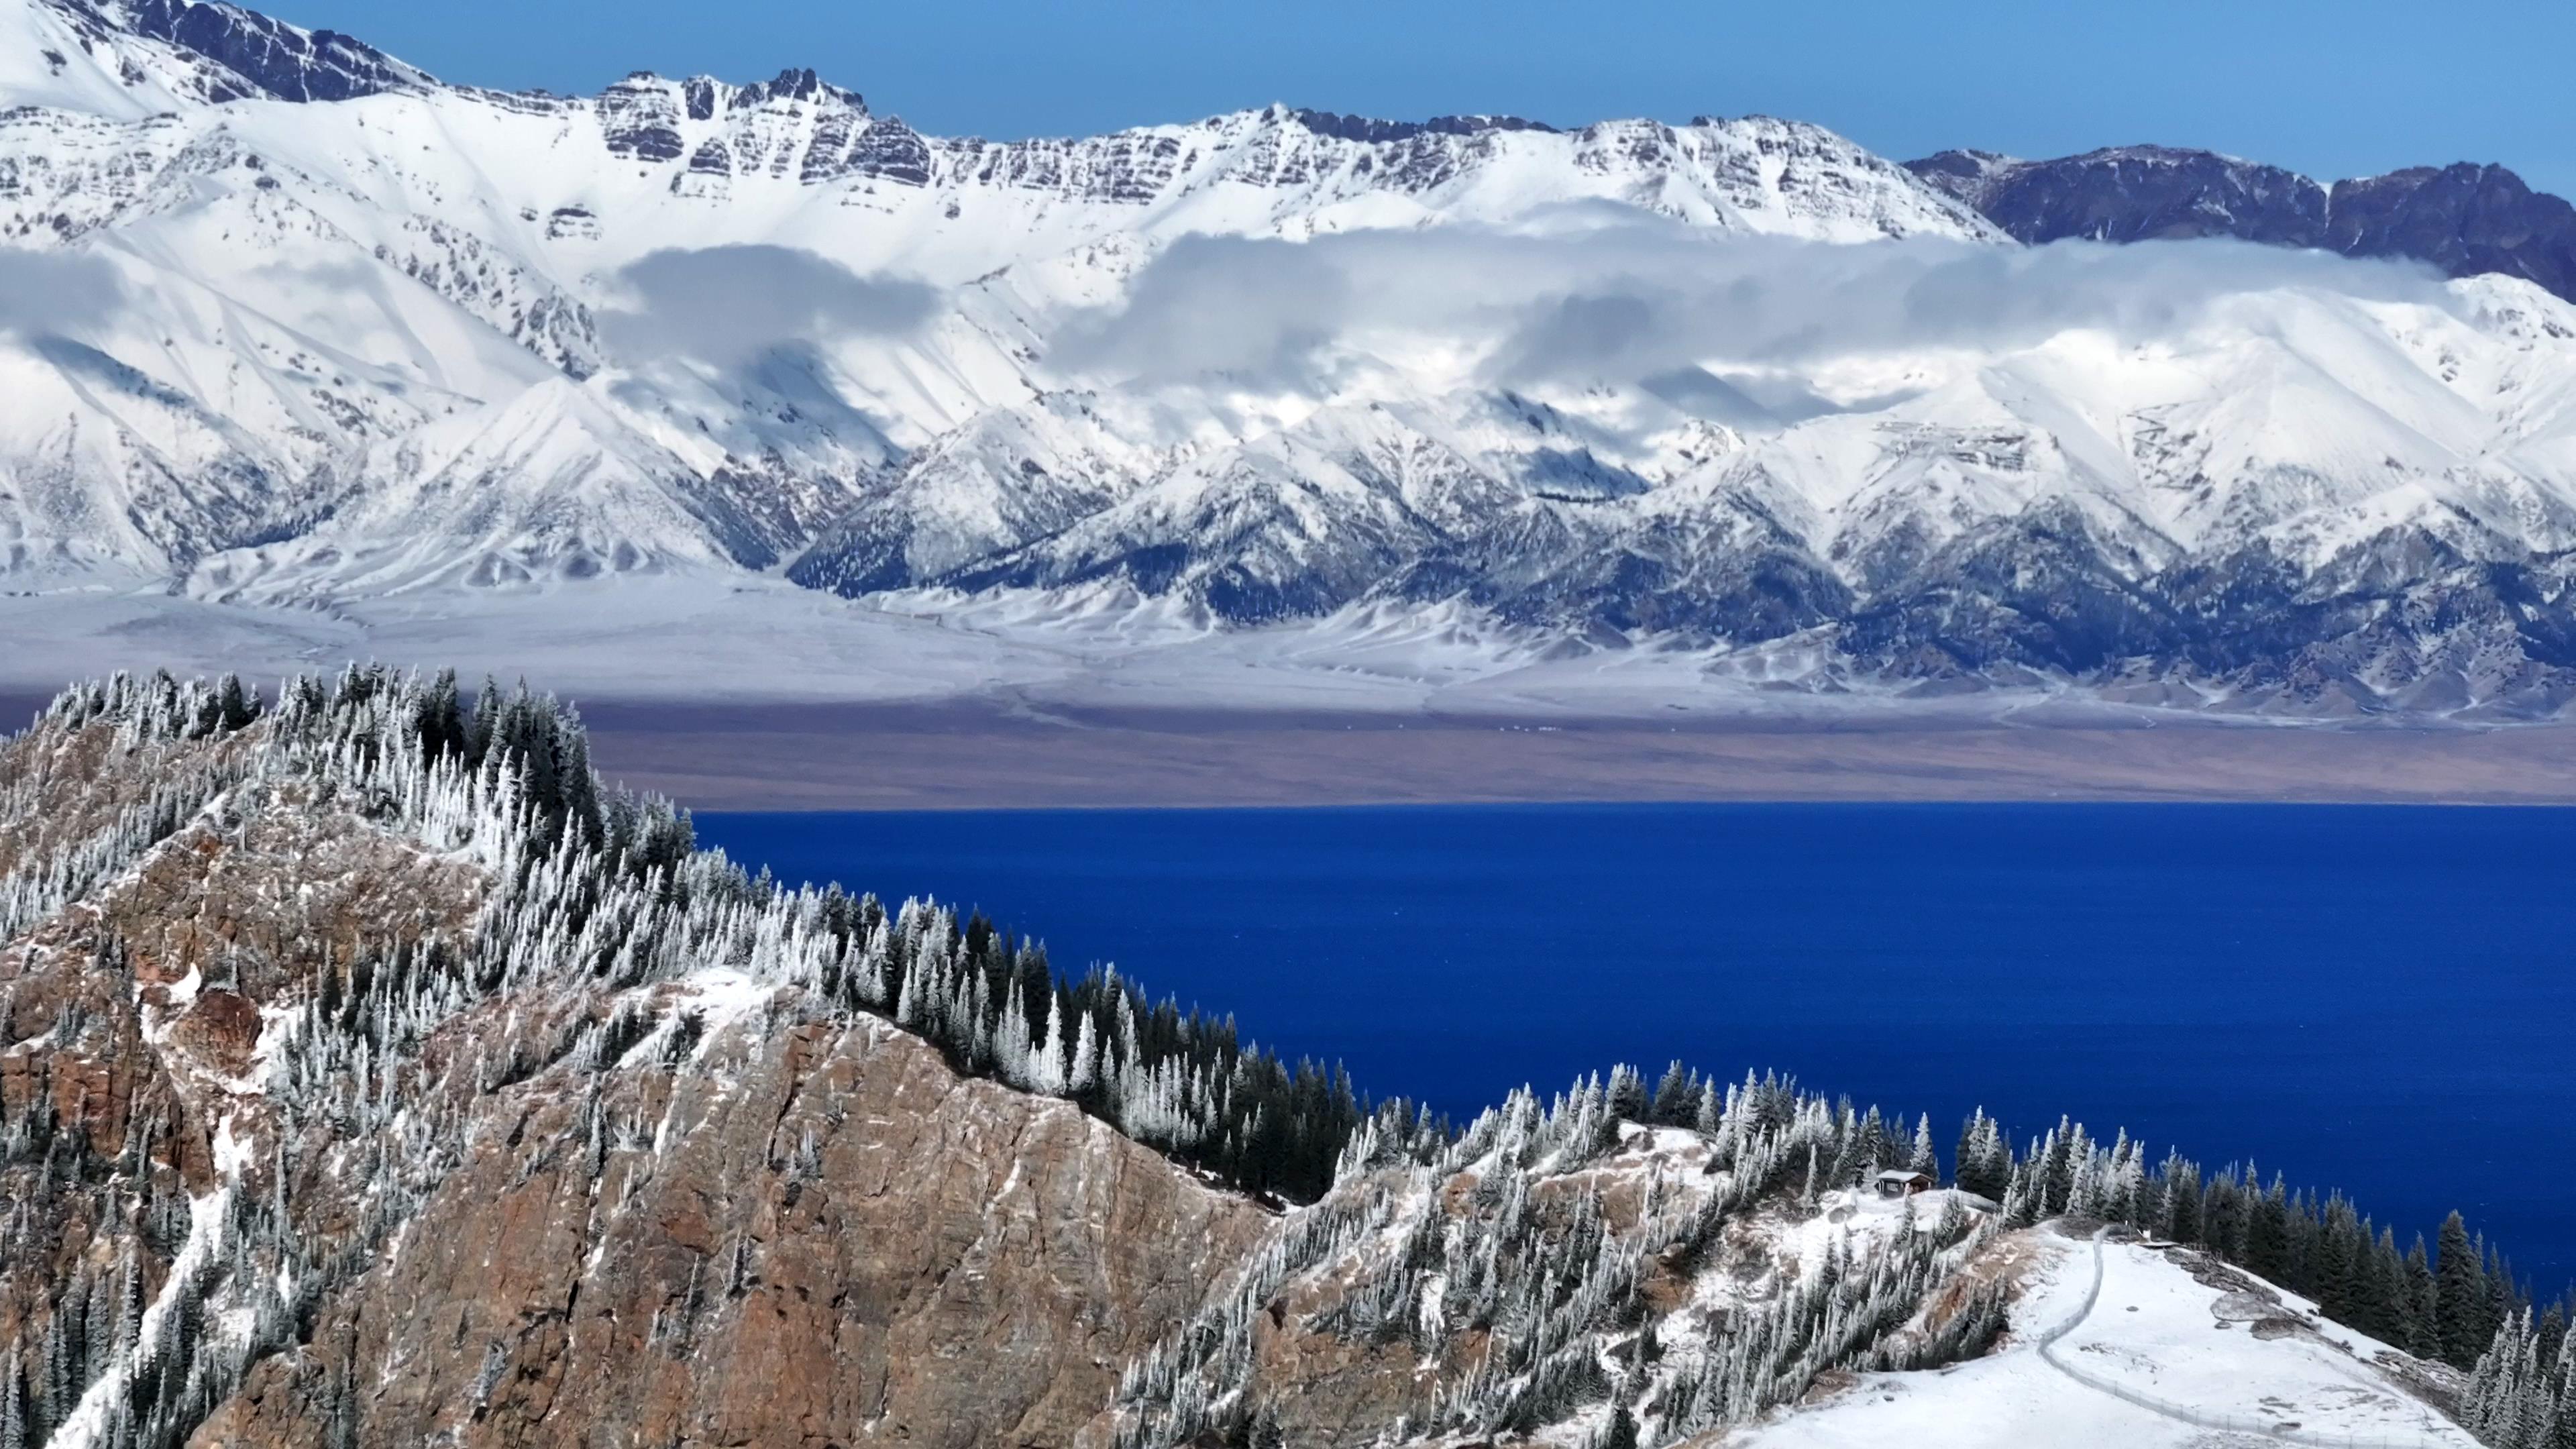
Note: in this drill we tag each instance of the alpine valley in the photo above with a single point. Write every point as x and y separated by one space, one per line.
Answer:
304 351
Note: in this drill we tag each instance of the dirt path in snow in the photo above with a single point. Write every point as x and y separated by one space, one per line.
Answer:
2267 1429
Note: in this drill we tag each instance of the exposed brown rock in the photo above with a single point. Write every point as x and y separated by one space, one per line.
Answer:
948 1263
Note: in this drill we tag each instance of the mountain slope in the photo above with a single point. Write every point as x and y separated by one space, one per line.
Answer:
773 1213
2306 502
129 60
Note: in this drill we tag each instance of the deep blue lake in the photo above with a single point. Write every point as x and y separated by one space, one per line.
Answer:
2374 999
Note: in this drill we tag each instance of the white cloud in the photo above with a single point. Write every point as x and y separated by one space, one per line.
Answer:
729 304
1635 298
44 293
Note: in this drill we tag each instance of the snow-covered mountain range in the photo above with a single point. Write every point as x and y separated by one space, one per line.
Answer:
285 322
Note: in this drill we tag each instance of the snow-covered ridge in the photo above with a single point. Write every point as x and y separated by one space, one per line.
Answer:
119 54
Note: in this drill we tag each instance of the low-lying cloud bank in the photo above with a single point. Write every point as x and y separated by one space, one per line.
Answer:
1582 293
727 305
1637 298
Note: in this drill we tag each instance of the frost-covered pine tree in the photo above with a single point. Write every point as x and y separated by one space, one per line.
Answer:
1084 1075
13 1402
1922 1157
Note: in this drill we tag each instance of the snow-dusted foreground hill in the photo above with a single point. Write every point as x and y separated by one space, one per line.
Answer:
292 329
370 1073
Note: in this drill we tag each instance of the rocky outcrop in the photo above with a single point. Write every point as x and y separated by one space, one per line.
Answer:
809 1232
272 58
2465 219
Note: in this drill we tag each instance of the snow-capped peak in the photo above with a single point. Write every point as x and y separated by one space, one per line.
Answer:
119 56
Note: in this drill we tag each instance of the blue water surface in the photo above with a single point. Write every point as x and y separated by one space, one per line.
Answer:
2374 999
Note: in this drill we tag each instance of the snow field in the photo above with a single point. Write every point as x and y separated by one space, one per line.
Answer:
2153 1330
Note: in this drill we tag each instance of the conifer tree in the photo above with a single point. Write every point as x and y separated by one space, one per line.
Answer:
2222 1216
1922 1157
2504 1295
2330 1276
237 711
2420 1305
13 1402
1970 1155
2267 1232
488 704
1676 1097
2182 1201
99 1319
2460 1295
2057 1167
1870 1150
1626 1095
1084 1076
1996 1160
63 1380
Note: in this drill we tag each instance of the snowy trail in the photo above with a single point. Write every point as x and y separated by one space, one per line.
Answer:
2084 1310
2181 1413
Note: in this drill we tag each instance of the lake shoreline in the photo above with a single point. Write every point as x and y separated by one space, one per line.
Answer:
1014 754
979 756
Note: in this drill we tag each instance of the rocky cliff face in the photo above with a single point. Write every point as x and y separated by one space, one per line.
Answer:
270 57
2133 193
2464 219
804 1231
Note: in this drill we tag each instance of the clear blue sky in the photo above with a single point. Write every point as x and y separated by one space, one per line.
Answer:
2335 89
